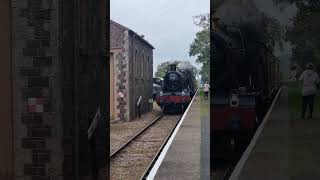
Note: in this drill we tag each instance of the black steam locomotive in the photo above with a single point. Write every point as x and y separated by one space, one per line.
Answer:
178 89
246 77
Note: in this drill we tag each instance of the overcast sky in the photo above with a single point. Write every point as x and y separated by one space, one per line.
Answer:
166 24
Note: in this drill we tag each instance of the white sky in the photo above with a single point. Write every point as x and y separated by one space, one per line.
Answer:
166 24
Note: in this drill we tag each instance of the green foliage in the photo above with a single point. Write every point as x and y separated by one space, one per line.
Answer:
304 34
266 29
205 72
273 32
165 66
200 47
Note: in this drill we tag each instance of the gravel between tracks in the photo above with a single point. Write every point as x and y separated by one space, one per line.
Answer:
121 132
132 161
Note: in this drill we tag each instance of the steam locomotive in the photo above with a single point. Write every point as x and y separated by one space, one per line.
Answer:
246 75
178 89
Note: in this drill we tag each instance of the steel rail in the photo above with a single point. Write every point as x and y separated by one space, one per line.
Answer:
116 152
146 172
227 173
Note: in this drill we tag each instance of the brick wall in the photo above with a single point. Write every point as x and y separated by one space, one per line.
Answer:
133 76
35 27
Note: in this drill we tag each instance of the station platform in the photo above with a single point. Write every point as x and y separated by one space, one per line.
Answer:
188 154
285 146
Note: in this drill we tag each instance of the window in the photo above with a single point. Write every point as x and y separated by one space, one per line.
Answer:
142 66
148 69
135 69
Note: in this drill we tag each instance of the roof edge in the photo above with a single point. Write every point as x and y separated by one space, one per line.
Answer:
131 31
118 24
142 39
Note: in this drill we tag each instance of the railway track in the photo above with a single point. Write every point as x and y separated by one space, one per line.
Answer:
222 173
135 158
226 173
114 153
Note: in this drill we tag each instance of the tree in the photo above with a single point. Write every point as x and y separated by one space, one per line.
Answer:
304 34
165 66
200 47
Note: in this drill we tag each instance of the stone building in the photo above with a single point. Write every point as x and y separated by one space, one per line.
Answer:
51 58
131 69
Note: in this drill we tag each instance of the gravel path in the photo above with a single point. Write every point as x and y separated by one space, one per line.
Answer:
132 161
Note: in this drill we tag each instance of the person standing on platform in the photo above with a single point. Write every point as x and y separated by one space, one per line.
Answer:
206 88
309 79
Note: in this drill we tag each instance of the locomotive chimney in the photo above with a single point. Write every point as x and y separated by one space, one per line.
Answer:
173 67
215 24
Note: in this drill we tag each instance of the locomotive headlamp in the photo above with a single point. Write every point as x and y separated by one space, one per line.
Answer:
183 93
234 100
161 93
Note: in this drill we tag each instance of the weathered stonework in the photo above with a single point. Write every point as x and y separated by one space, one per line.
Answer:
35 40
133 59
56 51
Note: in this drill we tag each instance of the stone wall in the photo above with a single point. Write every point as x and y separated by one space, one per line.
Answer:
133 74
116 36
118 45
141 72
50 120
35 40
121 93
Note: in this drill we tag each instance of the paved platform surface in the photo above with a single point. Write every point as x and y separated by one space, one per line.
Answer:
188 157
287 148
